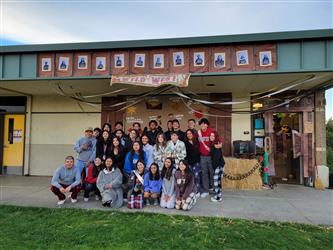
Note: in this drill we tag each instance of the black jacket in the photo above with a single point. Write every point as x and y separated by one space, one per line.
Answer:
192 152
100 152
217 157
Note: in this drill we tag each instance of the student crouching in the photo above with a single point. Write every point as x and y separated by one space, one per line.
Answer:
136 186
109 183
152 185
89 183
185 187
66 179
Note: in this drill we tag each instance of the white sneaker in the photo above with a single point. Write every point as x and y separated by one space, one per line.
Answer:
85 199
60 202
73 200
214 199
204 195
96 197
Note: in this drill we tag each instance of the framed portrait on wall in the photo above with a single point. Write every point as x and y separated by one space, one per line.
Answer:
139 60
219 60
158 61
100 63
82 62
199 59
46 64
178 59
63 63
242 57
119 61
265 58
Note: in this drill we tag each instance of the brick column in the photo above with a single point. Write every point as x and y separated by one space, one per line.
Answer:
320 128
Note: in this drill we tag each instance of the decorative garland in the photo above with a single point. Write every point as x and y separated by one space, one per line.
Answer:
242 176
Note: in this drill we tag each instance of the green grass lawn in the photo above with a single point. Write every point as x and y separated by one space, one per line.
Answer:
43 228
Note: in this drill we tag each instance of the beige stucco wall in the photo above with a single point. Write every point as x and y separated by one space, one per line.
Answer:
56 124
241 123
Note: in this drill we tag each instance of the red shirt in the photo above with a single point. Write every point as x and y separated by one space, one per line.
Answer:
90 177
205 138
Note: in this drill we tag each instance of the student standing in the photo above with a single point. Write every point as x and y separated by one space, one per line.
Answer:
218 165
132 157
86 149
148 149
205 158
153 131
159 152
185 187
193 157
176 128
118 153
168 184
103 146
152 184
176 148
89 183
109 184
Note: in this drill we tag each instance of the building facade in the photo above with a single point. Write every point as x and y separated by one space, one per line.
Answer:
250 87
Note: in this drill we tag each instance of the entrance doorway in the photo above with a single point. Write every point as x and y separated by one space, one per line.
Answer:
287 168
13 144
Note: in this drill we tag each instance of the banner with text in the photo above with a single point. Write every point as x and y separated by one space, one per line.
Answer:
179 80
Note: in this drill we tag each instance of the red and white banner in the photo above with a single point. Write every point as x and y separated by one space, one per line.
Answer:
179 80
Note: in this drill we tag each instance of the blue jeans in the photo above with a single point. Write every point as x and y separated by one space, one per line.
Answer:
196 169
81 165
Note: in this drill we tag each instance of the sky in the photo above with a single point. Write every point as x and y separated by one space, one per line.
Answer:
61 21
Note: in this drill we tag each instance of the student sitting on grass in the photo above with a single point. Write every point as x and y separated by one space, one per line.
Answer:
152 184
89 183
66 179
136 186
185 187
109 184
168 184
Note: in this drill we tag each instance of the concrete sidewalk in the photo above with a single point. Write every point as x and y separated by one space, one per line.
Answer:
291 203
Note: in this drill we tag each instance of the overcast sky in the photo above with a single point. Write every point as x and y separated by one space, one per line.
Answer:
55 21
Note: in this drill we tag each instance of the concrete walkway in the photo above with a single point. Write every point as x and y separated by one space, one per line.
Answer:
291 203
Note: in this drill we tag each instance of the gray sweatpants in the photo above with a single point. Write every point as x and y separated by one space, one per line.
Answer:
207 172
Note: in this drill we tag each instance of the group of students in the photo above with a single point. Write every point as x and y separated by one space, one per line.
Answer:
144 167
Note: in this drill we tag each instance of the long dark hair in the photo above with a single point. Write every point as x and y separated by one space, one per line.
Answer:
154 177
188 172
107 124
144 166
157 144
194 139
141 153
121 148
167 172
97 169
112 165
107 141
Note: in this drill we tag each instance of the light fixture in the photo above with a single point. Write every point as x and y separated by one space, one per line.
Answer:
257 105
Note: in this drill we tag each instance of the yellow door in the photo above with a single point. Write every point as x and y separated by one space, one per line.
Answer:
13 141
